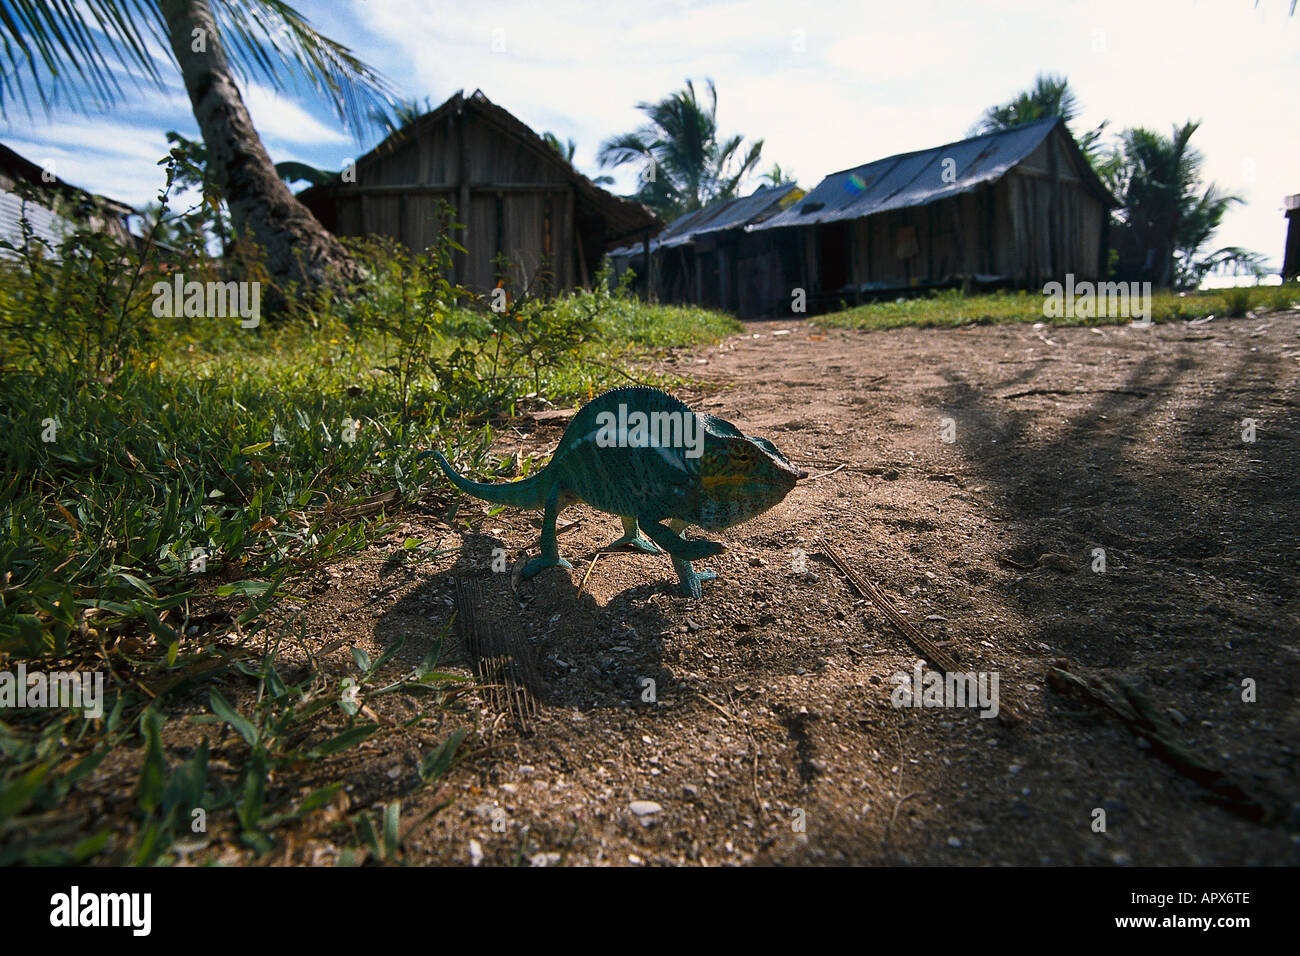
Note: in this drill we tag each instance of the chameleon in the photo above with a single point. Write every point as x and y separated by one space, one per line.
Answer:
644 456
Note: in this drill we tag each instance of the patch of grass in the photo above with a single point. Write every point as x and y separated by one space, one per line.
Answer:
950 308
158 468
1282 298
1236 302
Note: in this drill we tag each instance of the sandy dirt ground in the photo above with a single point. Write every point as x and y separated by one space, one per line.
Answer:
986 472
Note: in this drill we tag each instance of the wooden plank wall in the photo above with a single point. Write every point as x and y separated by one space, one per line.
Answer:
1035 224
942 239
519 203
761 284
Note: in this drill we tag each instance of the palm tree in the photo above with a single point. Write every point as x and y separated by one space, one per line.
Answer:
397 116
564 149
75 52
777 176
567 149
683 165
1049 96
1166 212
1195 227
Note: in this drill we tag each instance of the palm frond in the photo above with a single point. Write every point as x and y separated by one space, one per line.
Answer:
623 149
78 51
259 34
692 168
77 54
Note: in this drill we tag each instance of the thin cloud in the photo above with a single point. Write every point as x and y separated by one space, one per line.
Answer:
276 117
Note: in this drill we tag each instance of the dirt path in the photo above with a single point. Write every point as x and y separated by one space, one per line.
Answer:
773 704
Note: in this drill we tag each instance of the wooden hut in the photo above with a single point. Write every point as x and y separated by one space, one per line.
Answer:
1016 207
515 195
56 207
706 258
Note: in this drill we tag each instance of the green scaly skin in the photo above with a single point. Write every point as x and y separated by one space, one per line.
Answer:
656 491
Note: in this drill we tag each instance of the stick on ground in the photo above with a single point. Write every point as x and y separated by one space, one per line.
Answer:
928 649
1008 712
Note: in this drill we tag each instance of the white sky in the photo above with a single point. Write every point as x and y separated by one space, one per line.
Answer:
827 85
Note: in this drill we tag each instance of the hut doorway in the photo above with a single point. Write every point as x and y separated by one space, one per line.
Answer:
833 256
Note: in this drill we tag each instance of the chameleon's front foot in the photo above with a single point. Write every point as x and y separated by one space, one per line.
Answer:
691 579
541 563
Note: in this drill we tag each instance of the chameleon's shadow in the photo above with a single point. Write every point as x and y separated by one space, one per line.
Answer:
565 648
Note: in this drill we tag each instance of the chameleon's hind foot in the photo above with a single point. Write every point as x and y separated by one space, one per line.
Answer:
691 579
541 563
635 542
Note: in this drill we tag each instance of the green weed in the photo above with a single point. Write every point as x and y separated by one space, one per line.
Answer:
154 467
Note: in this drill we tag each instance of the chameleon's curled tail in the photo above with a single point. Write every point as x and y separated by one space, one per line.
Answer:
525 493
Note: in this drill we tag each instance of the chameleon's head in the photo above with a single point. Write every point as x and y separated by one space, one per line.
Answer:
741 475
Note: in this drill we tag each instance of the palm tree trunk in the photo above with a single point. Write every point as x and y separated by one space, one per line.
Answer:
297 247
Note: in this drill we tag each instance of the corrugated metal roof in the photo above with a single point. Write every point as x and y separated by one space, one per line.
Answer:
45 224
914 179
716 217
679 229
728 214
58 207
